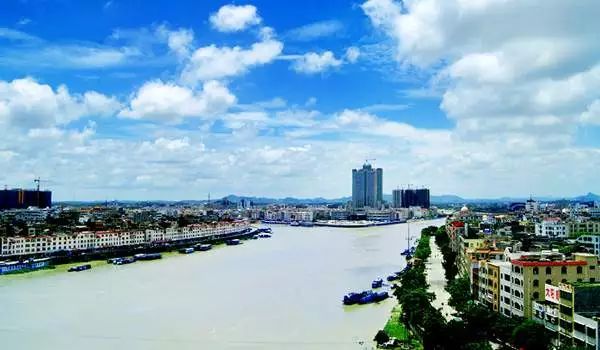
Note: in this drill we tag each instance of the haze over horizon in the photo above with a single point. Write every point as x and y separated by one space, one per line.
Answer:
480 99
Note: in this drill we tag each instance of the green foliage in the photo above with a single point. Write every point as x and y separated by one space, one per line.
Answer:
531 335
381 337
460 293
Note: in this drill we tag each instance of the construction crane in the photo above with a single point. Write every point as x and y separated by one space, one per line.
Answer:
37 182
368 159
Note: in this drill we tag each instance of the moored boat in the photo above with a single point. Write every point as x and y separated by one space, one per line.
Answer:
124 261
354 298
80 268
148 256
264 235
234 241
203 247
188 250
377 283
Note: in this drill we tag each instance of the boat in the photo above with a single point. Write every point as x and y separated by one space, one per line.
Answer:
367 299
188 250
294 223
393 277
264 235
380 296
306 224
354 298
203 247
378 283
113 260
80 268
264 229
233 242
148 256
124 261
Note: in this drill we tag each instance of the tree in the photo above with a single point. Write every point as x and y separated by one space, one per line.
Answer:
460 293
531 335
381 337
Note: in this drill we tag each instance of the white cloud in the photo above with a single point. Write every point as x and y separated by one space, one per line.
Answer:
315 30
592 113
179 41
29 104
352 54
170 102
213 62
232 18
312 62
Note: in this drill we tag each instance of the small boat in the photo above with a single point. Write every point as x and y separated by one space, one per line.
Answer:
264 229
354 298
294 223
306 223
149 256
80 268
405 251
113 260
393 277
367 299
203 247
188 250
124 261
380 296
264 235
255 237
378 283
233 242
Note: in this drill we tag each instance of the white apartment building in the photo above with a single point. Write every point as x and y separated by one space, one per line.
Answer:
27 245
552 228
590 241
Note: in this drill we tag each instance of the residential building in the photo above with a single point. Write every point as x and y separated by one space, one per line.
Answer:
532 206
571 311
552 228
590 241
591 227
415 198
530 273
367 187
397 198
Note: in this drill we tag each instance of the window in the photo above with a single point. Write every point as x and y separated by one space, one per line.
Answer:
564 280
592 280
563 270
592 267
536 295
536 270
536 283
579 269
548 270
548 281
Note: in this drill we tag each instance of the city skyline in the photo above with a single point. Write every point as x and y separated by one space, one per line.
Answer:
282 99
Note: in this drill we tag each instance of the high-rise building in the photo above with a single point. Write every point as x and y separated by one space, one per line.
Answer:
397 198
367 187
415 198
20 199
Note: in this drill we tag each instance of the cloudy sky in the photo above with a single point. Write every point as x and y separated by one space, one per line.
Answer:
133 99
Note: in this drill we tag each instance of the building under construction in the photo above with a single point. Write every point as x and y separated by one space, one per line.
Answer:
21 198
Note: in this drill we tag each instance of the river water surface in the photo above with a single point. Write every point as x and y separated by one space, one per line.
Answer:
278 293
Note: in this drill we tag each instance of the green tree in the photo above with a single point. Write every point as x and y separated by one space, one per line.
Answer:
531 335
381 337
460 293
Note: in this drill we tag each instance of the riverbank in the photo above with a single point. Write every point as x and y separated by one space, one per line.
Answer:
239 297
434 271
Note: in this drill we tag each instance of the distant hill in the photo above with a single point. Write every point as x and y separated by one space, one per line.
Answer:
435 199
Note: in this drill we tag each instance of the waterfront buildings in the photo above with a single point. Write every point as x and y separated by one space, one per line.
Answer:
21 199
415 198
90 240
397 198
367 187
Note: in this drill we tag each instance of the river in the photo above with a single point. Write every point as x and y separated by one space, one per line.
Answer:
277 293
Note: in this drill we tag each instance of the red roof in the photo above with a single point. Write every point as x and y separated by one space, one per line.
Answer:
549 263
457 224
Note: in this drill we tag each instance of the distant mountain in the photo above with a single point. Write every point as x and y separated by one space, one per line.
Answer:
590 197
435 199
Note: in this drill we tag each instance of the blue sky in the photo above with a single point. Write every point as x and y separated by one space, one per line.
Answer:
152 100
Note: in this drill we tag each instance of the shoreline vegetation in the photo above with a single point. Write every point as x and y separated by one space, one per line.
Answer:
416 324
